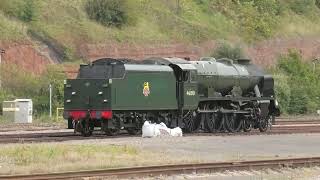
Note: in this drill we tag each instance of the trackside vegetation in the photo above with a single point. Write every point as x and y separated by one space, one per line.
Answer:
71 23
32 158
62 157
18 83
297 84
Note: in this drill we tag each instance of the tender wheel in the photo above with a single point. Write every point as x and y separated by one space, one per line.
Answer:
247 126
210 122
87 127
188 122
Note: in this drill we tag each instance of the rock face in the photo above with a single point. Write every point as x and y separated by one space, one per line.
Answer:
138 51
264 53
35 58
26 56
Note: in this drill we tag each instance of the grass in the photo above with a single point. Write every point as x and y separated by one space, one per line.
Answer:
11 30
42 158
38 120
36 158
149 21
295 25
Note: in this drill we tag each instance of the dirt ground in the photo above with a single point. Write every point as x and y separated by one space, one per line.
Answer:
211 148
223 148
156 151
13 127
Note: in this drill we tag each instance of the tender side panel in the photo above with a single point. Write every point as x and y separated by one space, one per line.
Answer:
144 91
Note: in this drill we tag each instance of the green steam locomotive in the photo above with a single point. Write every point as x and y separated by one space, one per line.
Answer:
208 95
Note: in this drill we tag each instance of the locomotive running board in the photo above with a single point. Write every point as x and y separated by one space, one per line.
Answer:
235 98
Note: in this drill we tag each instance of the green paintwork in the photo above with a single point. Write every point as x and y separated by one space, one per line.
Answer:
127 93
85 94
216 77
191 97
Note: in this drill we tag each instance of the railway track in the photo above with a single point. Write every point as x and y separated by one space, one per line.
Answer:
296 122
177 169
281 127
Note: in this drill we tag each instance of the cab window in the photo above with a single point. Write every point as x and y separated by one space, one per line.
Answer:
193 76
185 75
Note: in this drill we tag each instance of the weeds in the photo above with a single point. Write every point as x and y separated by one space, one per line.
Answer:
24 158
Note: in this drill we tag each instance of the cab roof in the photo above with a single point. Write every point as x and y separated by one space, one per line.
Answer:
165 61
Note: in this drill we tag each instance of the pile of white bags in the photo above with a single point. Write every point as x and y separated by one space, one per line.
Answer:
154 130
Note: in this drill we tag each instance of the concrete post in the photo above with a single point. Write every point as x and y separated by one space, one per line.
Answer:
50 99
1 52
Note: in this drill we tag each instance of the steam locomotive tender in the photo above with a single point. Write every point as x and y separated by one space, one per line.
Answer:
206 95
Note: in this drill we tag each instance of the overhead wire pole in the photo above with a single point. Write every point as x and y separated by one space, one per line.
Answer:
50 99
2 51
315 62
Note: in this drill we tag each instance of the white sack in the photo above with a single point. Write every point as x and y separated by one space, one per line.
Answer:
176 132
154 130
149 130
164 131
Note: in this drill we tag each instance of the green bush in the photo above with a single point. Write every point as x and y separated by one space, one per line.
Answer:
107 12
282 90
24 10
18 83
302 6
317 2
28 11
303 95
258 19
225 50
255 19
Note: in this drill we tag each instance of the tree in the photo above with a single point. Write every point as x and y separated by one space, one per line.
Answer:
107 12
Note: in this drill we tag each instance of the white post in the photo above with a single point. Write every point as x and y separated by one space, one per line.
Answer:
50 92
1 52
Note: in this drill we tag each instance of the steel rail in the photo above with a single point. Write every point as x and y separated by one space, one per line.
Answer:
292 121
176 169
59 137
281 127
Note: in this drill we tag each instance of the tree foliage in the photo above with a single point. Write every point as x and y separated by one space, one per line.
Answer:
225 50
317 2
299 88
17 83
24 10
302 6
107 12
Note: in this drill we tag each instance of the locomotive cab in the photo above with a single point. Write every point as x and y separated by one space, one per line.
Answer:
187 86
186 80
